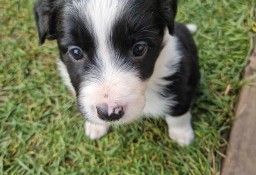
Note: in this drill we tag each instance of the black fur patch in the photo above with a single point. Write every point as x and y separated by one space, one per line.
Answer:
132 27
185 80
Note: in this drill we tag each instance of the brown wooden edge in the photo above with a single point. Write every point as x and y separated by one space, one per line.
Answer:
241 155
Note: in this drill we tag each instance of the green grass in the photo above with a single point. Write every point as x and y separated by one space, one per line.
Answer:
41 131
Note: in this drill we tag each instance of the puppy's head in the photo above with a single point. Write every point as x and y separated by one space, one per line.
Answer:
109 49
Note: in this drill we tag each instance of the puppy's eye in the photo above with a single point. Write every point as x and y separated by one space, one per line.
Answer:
140 49
76 53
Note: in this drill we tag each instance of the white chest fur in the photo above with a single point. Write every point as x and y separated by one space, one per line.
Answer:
166 65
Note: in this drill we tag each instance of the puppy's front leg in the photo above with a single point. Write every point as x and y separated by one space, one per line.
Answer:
94 131
180 129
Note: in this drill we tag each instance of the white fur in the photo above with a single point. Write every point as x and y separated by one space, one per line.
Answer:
100 14
94 131
118 92
192 28
166 65
65 76
180 129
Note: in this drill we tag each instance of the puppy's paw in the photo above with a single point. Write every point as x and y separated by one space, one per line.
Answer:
94 131
180 129
183 136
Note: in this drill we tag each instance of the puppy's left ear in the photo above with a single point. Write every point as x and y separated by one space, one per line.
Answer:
168 9
45 16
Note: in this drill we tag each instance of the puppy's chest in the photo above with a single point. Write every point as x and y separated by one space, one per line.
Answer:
166 65
156 104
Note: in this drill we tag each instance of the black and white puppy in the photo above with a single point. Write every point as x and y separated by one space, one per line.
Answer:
124 59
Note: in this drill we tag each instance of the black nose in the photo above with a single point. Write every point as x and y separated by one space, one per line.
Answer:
116 114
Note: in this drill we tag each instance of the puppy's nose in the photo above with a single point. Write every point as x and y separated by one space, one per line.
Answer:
115 113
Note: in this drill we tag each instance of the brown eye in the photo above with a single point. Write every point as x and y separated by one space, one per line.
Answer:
140 49
76 53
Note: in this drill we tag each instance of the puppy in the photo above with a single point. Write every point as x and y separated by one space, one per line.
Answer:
124 59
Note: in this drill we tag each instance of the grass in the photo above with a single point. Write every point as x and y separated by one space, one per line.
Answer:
41 131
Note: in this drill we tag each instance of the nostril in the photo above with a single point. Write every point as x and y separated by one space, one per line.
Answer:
102 111
117 113
119 110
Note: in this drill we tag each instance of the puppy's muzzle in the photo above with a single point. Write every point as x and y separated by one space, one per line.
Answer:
107 113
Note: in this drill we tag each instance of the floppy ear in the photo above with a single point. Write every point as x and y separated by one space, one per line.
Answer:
45 16
168 9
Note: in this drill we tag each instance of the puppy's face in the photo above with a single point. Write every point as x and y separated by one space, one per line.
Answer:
109 48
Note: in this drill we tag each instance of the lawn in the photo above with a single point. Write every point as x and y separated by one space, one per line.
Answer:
41 131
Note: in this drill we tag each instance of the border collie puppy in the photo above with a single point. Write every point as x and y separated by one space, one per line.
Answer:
124 59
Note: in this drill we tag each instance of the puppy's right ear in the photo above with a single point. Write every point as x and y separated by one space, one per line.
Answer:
45 16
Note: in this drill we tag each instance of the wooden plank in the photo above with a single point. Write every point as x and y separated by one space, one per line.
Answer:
241 157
